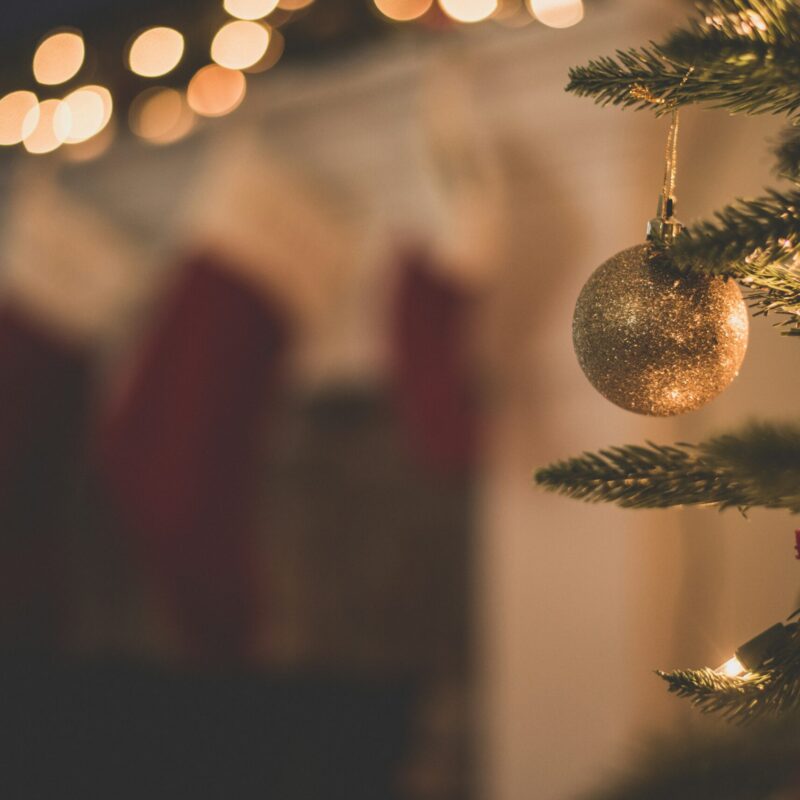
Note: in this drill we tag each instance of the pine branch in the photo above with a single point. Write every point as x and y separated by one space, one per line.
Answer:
757 242
749 77
769 21
744 237
775 289
774 689
788 152
760 466
742 55
745 57
610 80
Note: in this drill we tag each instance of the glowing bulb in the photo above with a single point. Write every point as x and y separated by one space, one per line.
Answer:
557 13
240 44
44 135
733 668
161 116
156 52
215 91
84 113
294 5
14 109
403 10
58 58
468 10
250 9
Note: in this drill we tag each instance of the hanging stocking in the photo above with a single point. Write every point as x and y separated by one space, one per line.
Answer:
180 450
438 284
431 371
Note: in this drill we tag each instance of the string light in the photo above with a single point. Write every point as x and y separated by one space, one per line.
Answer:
161 116
84 113
43 135
733 668
403 10
250 9
14 110
215 91
752 655
156 52
58 58
557 13
165 115
468 10
240 44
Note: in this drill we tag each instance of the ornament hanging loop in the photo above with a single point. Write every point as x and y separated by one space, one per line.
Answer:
665 228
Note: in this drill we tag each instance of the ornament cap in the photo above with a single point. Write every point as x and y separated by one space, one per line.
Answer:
664 227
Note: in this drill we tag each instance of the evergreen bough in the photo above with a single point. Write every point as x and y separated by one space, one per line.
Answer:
744 56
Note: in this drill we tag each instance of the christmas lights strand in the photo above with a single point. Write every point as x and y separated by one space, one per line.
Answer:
773 687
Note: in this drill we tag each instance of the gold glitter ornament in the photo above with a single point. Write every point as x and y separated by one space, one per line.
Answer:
655 341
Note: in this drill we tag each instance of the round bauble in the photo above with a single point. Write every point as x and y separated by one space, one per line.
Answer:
654 340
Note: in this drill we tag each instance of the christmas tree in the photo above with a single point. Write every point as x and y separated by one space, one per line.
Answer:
743 56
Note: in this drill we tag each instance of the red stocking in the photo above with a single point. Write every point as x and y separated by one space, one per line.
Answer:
178 453
430 370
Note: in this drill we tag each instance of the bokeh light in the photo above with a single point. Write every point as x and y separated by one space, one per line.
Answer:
250 9
84 113
557 13
156 52
14 110
215 91
58 58
512 14
46 134
90 149
468 10
294 5
161 116
240 44
273 55
403 10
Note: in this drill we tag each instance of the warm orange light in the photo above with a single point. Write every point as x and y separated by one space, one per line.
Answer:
240 44
557 13
14 109
215 91
58 58
733 668
44 135
156 52
293 5
512 14
273 54
84 113
92 148
250 9
468 10
161 116
403 10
